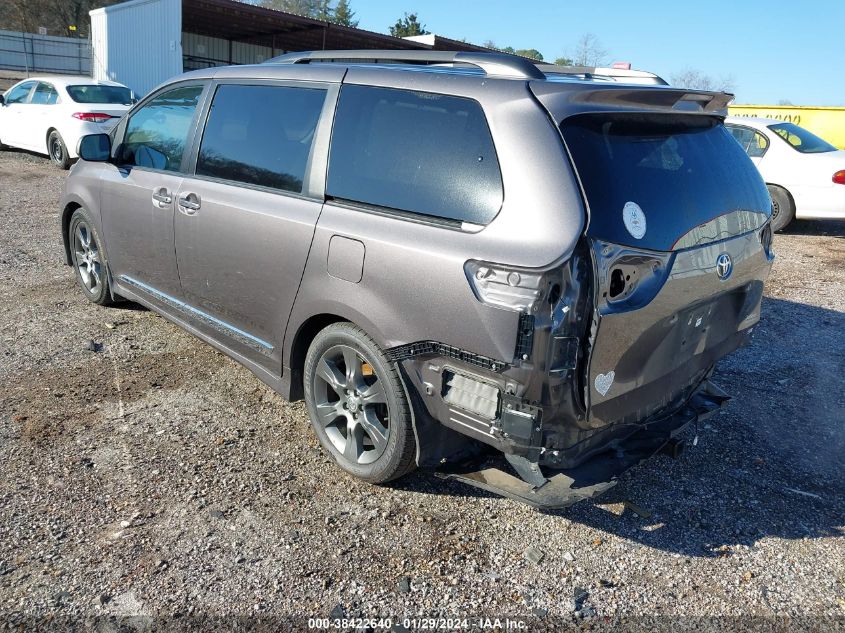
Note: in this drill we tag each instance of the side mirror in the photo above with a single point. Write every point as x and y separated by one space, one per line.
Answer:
95 148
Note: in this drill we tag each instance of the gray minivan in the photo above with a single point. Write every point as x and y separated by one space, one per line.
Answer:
449 256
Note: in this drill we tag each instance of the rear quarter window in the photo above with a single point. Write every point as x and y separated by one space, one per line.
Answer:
417 152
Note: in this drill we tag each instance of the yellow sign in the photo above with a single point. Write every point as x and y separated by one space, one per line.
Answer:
71 28
826 122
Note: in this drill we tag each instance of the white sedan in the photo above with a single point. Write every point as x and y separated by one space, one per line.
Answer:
804 173
48 115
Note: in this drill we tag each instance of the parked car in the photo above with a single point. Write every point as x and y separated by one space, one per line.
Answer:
441 259
804 173
49 115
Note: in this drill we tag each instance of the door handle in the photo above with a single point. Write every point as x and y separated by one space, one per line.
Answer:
191 202
163 196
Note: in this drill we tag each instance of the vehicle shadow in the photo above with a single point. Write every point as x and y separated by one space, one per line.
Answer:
828 228
769 465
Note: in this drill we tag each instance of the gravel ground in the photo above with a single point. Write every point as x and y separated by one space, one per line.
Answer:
158 478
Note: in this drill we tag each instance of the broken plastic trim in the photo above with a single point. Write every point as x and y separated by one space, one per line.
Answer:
503 286
433 348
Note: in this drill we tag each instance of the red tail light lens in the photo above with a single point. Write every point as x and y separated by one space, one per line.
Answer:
92 117
839 177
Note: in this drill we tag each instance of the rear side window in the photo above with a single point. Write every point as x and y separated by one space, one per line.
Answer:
664 182
44 94
416 152
754 143
261 135
156 134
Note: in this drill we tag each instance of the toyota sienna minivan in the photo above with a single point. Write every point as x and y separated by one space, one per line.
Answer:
449 256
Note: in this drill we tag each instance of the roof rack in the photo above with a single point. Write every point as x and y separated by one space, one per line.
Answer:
492 64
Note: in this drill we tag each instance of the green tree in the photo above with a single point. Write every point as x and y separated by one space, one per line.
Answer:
531 53
57 16
343 15
408 25
324 10
564 61
306 8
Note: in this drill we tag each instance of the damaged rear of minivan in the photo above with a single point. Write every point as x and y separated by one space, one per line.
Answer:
617 345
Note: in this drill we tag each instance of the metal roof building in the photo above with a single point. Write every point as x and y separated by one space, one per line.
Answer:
141 43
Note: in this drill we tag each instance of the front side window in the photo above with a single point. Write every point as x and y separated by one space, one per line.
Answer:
754 143
800 139
100 94
418 152
261 135
44 94
157 133
18 94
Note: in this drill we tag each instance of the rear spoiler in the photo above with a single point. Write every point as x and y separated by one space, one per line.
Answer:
597 72
563 101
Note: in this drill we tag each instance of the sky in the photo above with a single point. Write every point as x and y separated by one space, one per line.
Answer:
771 51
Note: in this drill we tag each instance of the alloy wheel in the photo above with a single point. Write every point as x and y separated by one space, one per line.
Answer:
88 262
351 404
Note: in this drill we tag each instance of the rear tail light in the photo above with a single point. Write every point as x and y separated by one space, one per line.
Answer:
839 177
92 117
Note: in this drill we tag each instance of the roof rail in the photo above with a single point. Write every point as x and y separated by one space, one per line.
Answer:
493 64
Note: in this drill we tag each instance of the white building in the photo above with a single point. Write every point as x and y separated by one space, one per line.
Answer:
141 43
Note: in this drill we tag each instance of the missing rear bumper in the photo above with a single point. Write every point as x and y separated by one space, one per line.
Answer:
564 487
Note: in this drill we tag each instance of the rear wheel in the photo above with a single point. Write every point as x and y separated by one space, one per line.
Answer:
87 257
783 209
57 150
357 405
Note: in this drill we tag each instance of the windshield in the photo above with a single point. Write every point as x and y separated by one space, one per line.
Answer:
800 139
100 94
664 182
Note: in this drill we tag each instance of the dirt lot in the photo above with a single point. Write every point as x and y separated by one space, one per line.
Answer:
157 478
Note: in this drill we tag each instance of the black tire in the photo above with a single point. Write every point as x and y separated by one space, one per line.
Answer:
783 209
88 258
57 150
352 410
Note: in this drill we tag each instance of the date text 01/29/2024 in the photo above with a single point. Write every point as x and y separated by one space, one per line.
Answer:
419 624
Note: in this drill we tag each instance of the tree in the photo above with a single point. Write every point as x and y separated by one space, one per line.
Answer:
407 26
589 51
324 10
316 9
57 16
785 102
305 8
343 15
531 53
564 61
696 80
